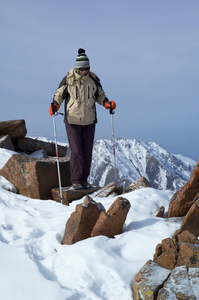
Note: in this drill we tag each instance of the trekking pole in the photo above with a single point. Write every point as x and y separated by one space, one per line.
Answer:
111 111
56 148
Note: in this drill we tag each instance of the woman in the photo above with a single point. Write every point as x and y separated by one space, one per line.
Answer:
80 89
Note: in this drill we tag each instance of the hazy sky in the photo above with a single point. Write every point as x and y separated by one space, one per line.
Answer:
146 53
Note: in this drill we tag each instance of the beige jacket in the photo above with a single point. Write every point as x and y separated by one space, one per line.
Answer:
80 94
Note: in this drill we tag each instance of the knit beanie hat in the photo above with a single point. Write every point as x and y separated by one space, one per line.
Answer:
82 60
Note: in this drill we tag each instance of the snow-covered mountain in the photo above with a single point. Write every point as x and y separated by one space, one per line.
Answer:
135 159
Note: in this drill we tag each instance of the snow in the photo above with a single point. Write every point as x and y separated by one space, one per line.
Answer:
35 266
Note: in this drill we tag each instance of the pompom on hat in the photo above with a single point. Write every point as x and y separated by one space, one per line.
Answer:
82 60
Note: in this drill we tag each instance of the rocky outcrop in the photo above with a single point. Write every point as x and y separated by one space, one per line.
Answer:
35 178
81 222
183 200
110 189
27 144
13 137
138 184
90 219
69 194
32 176
14 128
178 255
181 284
155 282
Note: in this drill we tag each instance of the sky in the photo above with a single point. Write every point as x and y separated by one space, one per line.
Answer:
145 52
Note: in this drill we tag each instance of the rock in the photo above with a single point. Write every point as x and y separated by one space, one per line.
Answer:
69 194
149 280
32 145
14 128
160 212
110 223
82 221
138 184
166 254
109 189
183 200
191 220
185 237
33 177
188 255
177 286
6 142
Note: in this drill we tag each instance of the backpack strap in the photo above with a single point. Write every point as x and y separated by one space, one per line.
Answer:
97 83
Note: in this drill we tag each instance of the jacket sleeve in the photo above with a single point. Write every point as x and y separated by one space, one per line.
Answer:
61 92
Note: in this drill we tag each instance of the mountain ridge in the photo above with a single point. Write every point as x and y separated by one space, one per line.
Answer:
135 159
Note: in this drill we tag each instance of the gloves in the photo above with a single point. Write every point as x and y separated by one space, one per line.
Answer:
53 108
110 105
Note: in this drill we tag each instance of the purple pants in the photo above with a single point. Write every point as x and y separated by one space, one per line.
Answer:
80 140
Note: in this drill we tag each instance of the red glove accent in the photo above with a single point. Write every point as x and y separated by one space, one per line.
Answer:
53 108
110 105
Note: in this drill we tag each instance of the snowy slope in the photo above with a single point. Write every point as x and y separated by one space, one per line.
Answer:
135 159
35 266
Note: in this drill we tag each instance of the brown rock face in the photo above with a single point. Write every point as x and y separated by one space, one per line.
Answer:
82 221
183 200
191 220
188 255
166 254
185 237
111 223
33 177
14 129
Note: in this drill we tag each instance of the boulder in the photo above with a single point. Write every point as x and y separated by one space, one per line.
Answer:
182 201
109 189
14 128
166 254
191 220
178 286
6 142
185 237
34 177
188 255
149 280
27 144
110 223
160 212
69 194
82 221
138 184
